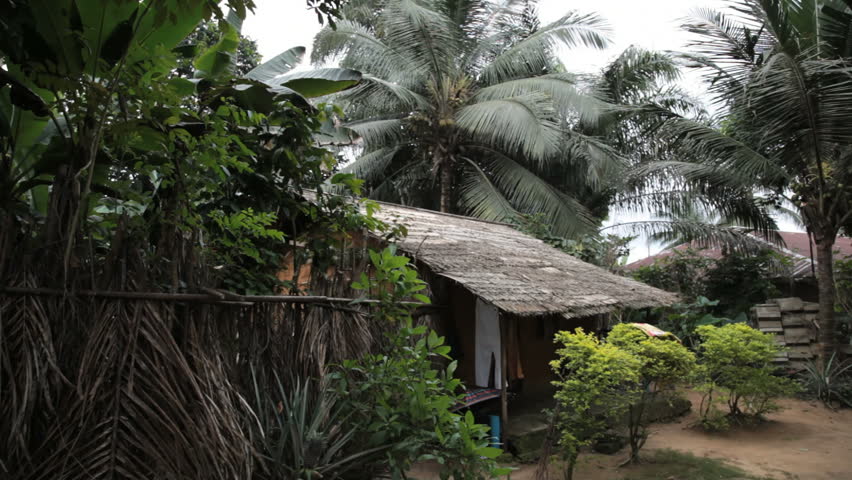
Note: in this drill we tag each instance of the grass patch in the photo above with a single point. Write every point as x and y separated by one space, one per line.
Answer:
668 464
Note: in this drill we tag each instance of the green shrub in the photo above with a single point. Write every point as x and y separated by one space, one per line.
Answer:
607 251
738 374
663 363
400 400
605 384
596 384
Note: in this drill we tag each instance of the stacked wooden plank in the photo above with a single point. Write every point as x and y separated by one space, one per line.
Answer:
794 324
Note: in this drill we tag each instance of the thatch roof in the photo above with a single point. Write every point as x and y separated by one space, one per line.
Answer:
515 272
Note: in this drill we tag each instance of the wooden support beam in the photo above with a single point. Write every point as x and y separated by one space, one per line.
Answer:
212 296
504 403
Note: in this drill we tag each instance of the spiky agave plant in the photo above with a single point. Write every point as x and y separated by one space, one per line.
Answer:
465 108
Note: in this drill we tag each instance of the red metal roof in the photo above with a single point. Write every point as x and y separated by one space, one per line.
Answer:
796 245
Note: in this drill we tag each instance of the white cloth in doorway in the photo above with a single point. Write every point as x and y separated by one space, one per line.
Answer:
487 344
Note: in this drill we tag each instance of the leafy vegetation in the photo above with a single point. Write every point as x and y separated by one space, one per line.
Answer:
682 272
737 280
596 384
602 384
398 402
206 35
607 251
776 71
737 373
663 364
829 382
610 384
687 317
843 282
303 433
120 177
470 93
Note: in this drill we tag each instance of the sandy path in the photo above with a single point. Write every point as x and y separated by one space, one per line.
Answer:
805 441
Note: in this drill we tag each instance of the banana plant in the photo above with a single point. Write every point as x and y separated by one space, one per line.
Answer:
61 89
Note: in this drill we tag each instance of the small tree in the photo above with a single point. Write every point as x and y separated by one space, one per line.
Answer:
737 370
662 364
682 272
596 384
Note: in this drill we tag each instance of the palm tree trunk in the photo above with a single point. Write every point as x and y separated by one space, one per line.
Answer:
446 186
825 283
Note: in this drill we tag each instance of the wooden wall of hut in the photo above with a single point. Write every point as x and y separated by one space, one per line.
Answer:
458 324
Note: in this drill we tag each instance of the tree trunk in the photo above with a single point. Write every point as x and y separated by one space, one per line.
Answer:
571 462
825 282
446 186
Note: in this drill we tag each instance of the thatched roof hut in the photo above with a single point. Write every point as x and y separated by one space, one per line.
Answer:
500 297
513 271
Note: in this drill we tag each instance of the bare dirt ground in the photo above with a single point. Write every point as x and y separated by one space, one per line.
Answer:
805 441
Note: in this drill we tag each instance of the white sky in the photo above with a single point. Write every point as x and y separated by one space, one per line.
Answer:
652 24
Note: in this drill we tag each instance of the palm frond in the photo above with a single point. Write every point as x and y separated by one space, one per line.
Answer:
788 102
384 96
523 124
701 234
362 50
378 132
371 166
677 100
730 47
129 417
533 54
736 207
711 146
422 34
603 164
465 14
482 199
529 193
734 41
791 214
635 73
836 31
562 88
705 174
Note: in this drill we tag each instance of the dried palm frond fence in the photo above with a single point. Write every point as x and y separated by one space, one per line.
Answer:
130 384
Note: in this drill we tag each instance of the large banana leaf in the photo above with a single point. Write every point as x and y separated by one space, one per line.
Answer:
218 60
278 65
319 82
310 83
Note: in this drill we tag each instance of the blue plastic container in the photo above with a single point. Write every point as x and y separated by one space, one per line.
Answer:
494 421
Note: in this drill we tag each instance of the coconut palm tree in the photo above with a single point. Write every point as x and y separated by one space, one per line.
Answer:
640 84
465 108
779 71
